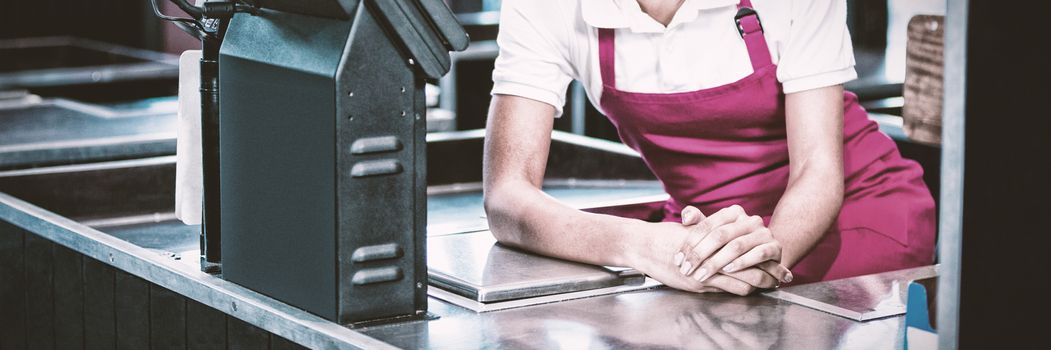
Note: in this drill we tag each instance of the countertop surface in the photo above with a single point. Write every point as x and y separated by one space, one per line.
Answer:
651 319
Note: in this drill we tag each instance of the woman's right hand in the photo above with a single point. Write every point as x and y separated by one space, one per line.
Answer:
656 243
727 242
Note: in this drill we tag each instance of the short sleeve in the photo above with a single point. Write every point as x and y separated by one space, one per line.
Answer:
818 51
532 61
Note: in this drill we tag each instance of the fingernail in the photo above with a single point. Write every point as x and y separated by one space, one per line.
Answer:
685 267
729 267
679 257
687 216
788 277
701 274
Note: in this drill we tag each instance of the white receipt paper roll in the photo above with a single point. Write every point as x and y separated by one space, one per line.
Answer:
189 172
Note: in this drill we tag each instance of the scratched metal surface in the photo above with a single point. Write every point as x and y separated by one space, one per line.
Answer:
862 298
652 319
660 318
475 266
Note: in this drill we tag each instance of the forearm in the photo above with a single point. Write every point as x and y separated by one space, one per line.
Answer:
805 212
523 216
810 204
518 137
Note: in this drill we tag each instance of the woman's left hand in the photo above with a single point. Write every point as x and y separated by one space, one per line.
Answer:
729 242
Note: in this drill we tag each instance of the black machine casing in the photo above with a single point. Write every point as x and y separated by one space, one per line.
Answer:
322 153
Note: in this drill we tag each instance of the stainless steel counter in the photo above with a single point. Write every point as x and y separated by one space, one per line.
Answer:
473 265
861 298
176 277
656 318
659 318
163 252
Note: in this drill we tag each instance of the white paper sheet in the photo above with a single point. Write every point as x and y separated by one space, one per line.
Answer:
189 174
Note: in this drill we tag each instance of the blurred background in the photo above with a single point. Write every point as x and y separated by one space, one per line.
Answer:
65 63
878 28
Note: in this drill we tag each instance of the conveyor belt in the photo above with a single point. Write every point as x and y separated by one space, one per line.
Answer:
56 132
63 121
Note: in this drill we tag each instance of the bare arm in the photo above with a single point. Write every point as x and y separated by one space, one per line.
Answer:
814 195
729 240
518 137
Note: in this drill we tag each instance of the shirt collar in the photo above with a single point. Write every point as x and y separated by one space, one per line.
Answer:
628 14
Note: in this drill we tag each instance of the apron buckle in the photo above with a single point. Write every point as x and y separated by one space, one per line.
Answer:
745 12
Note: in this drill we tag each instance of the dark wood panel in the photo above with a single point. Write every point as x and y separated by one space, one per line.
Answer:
167 319
69 298
924 71
12 287
132 308
205 327
278 343
241 335
99 315
40 307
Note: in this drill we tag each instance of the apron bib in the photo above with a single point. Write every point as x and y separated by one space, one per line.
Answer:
726 145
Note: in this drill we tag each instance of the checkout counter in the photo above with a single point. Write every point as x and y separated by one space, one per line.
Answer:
92 256
123 271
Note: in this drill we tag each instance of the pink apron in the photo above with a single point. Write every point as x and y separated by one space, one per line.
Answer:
727 145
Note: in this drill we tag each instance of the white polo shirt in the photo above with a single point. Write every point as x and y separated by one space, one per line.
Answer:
545 44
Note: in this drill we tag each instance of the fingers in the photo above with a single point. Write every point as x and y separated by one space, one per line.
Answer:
744 252
715 241
756 278
690 216
775 269
730 285
701 231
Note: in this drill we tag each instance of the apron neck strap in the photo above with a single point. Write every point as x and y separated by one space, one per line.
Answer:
751 30
606 55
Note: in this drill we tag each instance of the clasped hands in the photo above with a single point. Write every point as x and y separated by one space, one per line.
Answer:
728 251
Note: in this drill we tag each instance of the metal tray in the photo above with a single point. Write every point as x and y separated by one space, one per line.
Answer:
860 298
475 266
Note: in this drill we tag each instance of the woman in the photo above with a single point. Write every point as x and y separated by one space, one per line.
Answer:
738 108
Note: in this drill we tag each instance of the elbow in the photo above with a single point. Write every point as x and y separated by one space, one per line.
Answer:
834 185
491 203
836 192
838 197
501 219
838 188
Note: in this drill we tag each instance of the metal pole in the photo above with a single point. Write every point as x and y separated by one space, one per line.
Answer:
951 223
